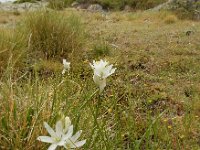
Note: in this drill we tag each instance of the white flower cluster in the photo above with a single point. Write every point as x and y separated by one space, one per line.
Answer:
101 69
66 66
62 136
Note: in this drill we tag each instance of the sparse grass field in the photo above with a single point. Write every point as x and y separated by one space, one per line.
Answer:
152 101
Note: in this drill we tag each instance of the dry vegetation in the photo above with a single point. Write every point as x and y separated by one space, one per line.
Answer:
152 101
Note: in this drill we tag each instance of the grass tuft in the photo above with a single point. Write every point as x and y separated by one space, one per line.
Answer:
52 34
170 19
101 49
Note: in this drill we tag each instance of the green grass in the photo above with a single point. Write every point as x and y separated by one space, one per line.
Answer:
23 1
151 102
100 50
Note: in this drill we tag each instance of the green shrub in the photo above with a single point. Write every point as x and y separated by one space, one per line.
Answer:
144 4
52 34
22 1
186 9
113 4
110 4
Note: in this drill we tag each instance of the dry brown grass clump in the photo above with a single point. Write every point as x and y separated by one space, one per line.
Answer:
170 19
53 35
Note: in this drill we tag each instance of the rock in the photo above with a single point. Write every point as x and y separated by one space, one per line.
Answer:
75 4
82 6
128 8
191 7
21 7
95 8
188 33
176 4
165 6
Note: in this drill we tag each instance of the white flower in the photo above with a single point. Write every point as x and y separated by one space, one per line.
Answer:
57 138
66 124
72 142
101 71
66 66
63 136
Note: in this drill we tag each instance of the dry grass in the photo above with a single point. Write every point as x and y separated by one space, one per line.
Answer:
152 102
53 34
170 19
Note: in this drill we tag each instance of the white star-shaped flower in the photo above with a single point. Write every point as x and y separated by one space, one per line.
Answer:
72 142
58 137
66 66
63 136
101 71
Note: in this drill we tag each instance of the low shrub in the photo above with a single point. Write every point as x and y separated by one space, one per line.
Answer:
140 4
186 9
109 4
59 4
23 1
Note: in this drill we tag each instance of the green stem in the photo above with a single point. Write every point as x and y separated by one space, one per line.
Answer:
147 131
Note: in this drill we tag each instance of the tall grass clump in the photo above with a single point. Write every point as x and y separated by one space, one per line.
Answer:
53 35
12 50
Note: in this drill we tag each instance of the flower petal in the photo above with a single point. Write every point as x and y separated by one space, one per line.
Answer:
91 66
108 71
64 70
113 70
102 85
61 143
97 79
69 133
100 82
49 130
45 139
76 136
52 147
67 124
64 61
66 65
80 143
59 128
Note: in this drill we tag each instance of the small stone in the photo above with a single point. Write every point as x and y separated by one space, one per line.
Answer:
95 8
127 8
75 4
